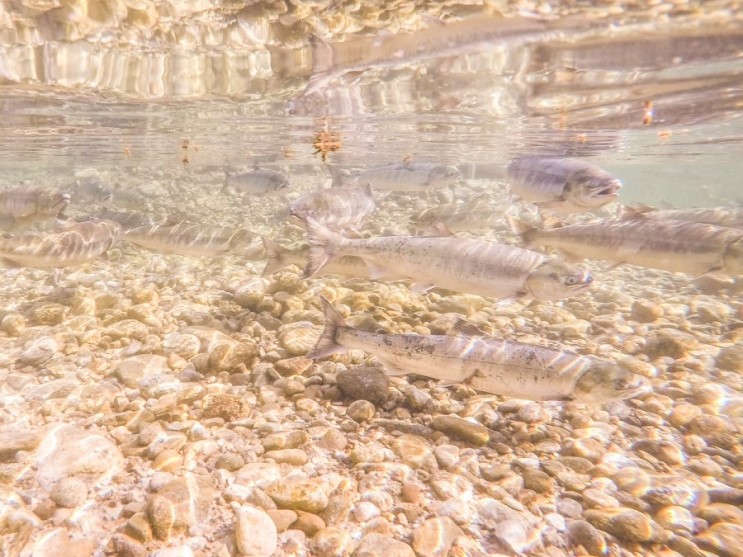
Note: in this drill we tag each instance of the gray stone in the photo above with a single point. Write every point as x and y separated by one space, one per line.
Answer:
365 383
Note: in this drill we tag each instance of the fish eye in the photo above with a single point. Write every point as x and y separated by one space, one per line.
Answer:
571 280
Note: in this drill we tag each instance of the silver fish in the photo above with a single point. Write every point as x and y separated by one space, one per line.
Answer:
462 264
28 204
337 208
670 245
255 182
501 367
185 238
407 176
279 257
460 217
563 185
731 217
128 220
71 245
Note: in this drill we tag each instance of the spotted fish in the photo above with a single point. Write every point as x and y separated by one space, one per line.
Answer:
24 205
463 264
501 367
562 185
670 245
338 208
70 245
185 238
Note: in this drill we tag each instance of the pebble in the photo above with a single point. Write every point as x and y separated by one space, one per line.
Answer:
285 440
365 383
723 539
435 536
721 512
569 508
582 533
133 369
626 524
69 492
124 546
515 535
730 358
380 545
414 451
365 511
645 311
537 480
675 518
632 480
361 410
255 532
308 523
39 351
333 542
464 430
671 343
310 494
295 457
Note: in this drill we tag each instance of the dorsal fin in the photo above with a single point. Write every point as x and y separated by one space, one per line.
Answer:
637 211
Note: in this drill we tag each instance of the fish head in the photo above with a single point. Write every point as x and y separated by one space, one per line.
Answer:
733 258
444 175
52 201
607 381
556 279
590 188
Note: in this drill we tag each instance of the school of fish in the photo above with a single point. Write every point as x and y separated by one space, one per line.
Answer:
692 241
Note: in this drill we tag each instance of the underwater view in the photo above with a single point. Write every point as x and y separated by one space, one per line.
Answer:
338 278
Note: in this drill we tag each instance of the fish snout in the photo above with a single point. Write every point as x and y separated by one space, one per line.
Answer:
578 281
607 189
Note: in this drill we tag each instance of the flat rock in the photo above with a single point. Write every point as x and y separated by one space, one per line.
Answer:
255 532
14 438
723 539
57 543
435 536
67 451
381 545
464 430
626 524
304 494
415 452
179 504
132 370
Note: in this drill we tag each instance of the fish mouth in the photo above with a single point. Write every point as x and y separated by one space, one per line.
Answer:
610 189
584 281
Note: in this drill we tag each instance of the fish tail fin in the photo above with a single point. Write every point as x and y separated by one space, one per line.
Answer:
326 344
275 256
323 246
523 230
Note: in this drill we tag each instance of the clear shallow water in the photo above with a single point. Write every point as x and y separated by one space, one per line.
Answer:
162 104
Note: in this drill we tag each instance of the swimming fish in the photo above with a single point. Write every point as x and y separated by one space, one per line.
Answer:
185 238
463 264
670 245
406 176
128 220
501 367
563 185
72 244
24 205
255 182
462 216
280 257
337 208
732 217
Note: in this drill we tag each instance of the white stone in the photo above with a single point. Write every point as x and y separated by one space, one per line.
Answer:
255 532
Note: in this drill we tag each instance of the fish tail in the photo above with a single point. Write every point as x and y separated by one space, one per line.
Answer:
323 245
275 256
523 230
326 344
